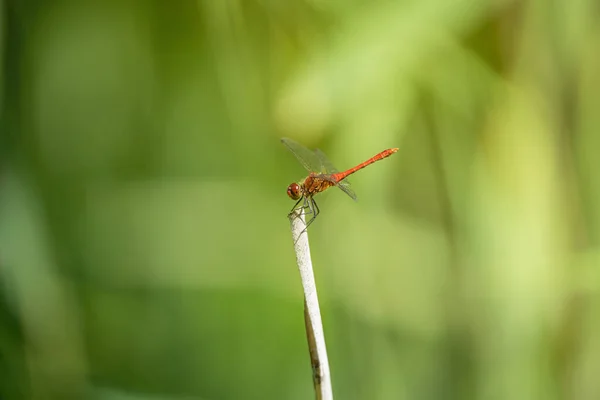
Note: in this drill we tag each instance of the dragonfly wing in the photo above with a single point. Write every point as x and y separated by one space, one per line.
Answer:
309 160
327 166
345 187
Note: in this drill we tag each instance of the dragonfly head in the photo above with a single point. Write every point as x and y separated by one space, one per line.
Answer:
294 191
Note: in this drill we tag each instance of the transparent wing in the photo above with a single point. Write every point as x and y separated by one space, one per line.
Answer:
309 160
346 188
329 168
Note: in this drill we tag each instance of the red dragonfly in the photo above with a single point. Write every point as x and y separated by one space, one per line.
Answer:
322 175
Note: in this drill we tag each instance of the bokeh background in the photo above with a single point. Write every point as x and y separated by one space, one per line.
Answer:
145 251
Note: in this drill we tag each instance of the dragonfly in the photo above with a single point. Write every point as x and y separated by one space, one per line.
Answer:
322 175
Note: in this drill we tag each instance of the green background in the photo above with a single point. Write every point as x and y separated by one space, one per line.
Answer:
145 251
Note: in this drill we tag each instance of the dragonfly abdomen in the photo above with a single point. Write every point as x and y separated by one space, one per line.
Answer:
380 156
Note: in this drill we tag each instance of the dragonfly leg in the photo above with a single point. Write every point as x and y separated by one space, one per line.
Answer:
314 210
306 206
296 206
310 207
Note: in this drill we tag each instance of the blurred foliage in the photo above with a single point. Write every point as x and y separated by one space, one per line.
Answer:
145 251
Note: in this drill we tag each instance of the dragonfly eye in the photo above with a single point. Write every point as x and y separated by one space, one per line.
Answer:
294 191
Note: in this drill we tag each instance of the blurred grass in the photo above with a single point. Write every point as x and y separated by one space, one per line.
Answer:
144 248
